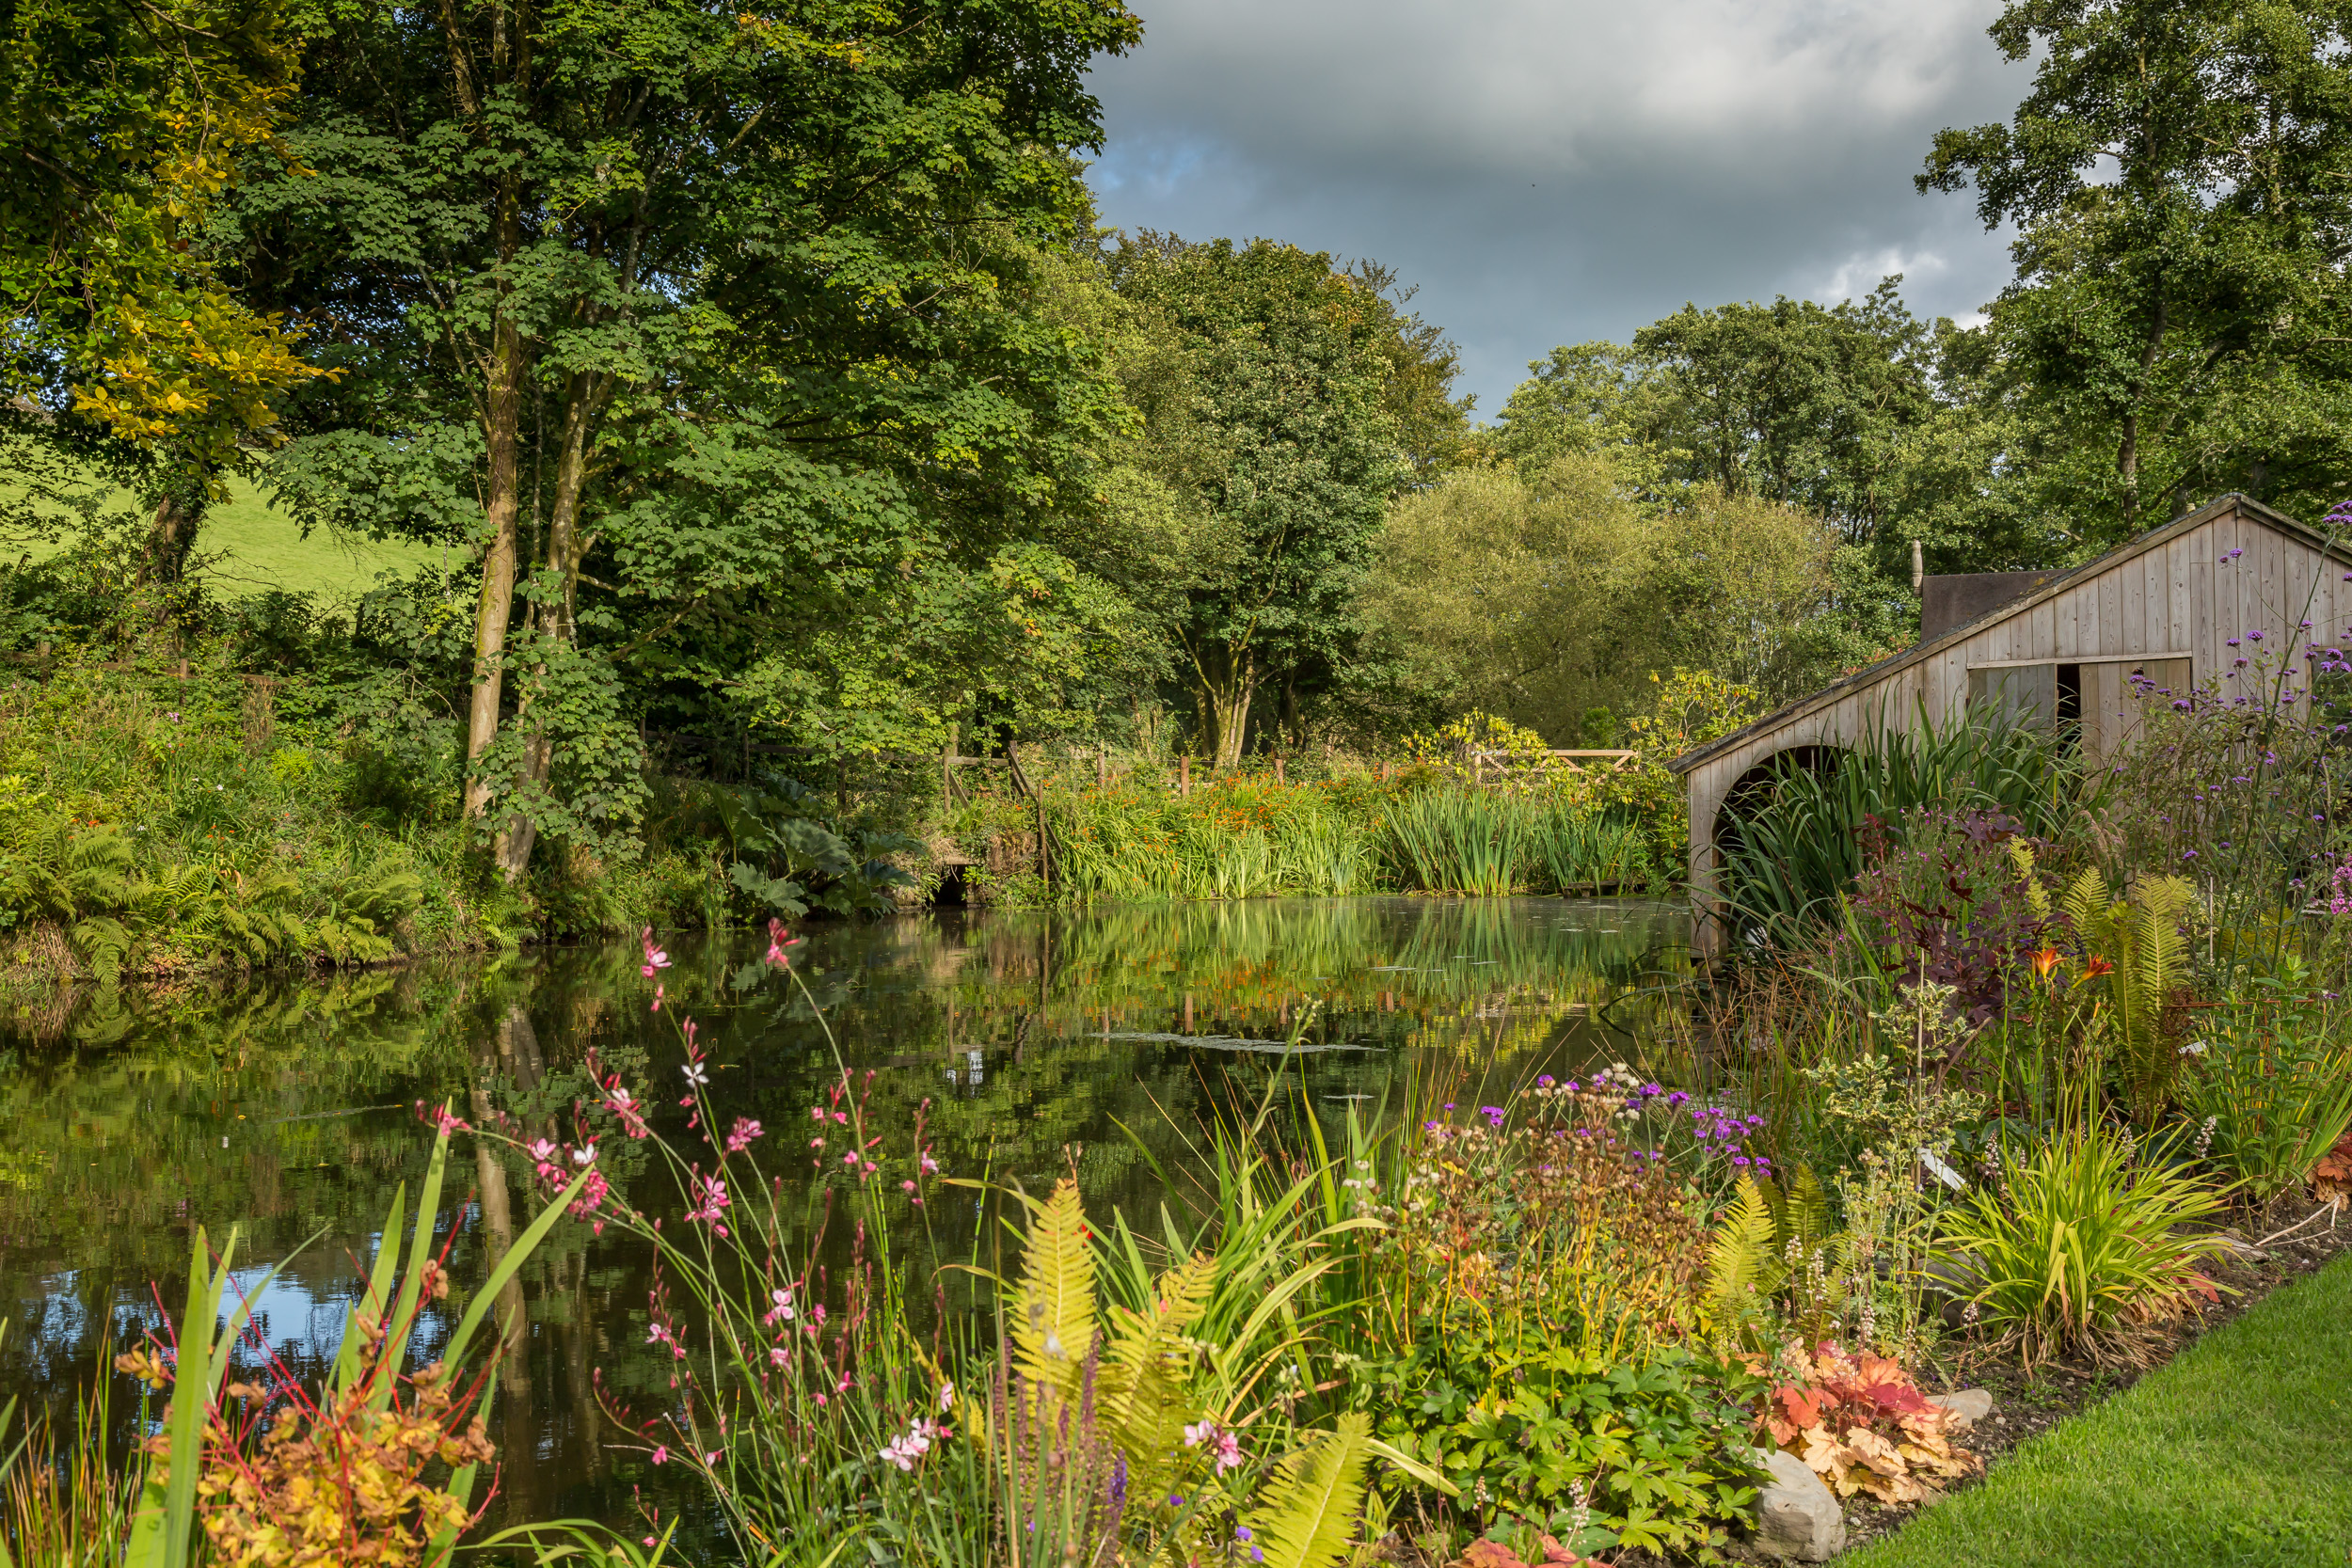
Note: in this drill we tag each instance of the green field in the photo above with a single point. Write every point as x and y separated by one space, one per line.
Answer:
2237 1454
248 546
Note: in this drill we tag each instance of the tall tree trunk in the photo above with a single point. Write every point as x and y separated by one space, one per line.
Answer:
172 535
494 607
1228 684
556 621
502 404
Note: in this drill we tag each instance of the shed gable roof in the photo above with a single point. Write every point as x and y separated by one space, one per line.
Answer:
1871 674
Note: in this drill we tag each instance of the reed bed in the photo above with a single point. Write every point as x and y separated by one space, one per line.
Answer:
1256 838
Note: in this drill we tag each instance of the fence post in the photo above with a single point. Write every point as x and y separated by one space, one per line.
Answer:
1277 772
1102 770
1183 774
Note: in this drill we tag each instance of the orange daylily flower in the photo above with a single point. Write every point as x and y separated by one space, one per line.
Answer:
2093 968
2045 961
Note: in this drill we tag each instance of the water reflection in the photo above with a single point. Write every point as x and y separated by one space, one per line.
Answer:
1041 1042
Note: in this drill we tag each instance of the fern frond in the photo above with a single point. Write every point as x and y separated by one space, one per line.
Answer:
1742 1250
1140 1388
1309 1508
1808 1210
1053 1308
2087 905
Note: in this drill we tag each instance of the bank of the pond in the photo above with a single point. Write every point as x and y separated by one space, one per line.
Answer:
175 819
2237 1453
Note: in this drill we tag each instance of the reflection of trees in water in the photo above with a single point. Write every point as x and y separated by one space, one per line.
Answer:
1040 1039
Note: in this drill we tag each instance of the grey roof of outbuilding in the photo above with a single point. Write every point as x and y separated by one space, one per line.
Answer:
1871 674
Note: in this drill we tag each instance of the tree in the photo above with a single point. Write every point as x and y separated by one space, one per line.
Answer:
1277 415
738 308
1540 594
1790 401
1515 591
2181 179
122 122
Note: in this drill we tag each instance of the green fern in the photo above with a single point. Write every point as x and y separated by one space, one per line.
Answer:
1053 1310
1743 1256
1308 1511
2145 958
103 943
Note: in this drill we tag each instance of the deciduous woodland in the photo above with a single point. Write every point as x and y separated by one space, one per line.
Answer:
809 511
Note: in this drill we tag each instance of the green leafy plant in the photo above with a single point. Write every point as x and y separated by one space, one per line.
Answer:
2081 1247
1600 1450
2135 947
345 1460
2269 1091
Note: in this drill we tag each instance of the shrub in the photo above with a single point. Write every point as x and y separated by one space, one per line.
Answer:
1791 856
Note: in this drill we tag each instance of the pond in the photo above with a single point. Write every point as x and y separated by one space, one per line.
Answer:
1096 1040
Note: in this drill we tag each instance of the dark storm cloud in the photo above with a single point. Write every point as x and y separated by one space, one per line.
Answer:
1553 172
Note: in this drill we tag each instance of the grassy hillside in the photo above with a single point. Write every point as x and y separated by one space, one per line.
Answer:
248 547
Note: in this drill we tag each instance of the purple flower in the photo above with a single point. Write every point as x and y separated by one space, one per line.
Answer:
1544 1082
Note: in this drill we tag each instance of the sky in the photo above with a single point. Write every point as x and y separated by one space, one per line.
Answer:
1551 171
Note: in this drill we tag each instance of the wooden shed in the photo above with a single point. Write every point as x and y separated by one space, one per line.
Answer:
2063 645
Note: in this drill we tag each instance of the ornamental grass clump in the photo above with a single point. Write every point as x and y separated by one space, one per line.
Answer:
2082 1248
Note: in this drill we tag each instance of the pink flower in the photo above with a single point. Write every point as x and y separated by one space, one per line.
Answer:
778 945
662 1454
712 1190
741 1138
778 1356
1228 1452
656 959
656 999
624 1105
909 1445
782 1311
592 1194
906 1186
543 1152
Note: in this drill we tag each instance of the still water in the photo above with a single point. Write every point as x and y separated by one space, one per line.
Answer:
1097 1040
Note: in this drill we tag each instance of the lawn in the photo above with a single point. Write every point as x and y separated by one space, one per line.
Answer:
2238 1454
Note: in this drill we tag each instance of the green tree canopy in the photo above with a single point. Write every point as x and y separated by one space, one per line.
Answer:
719 337
2181 181
1275 417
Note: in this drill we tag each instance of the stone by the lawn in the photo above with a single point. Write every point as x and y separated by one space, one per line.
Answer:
1797 1517
1968 1406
